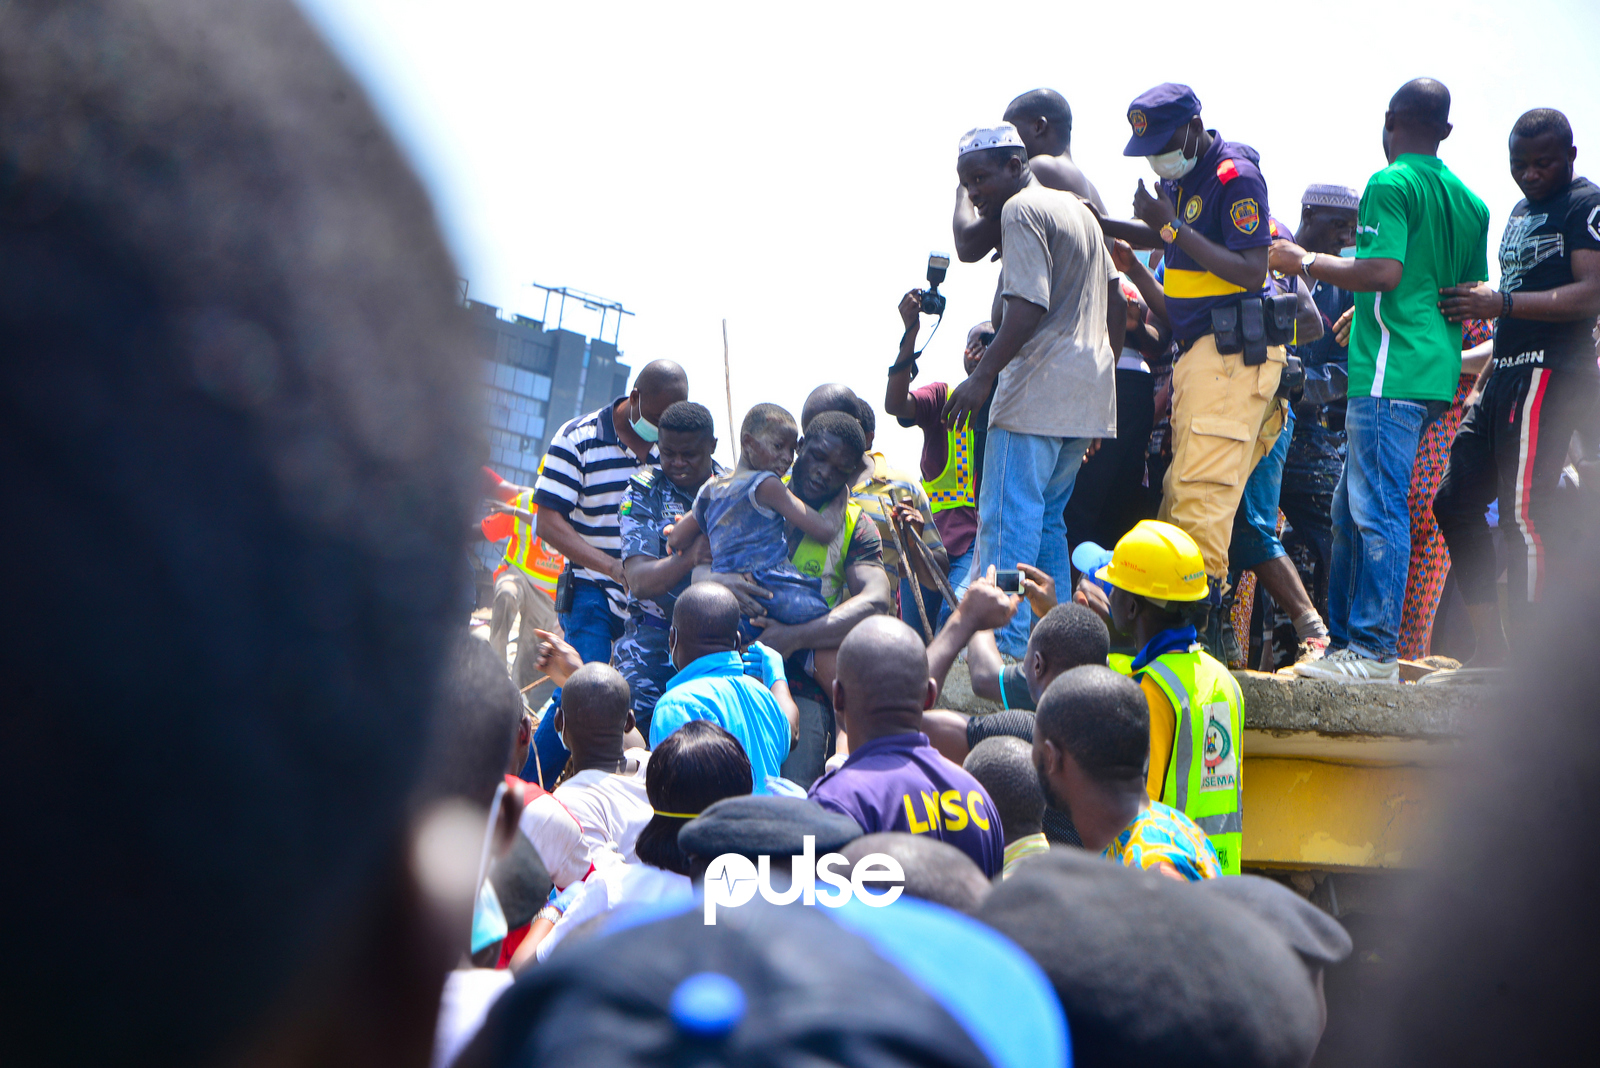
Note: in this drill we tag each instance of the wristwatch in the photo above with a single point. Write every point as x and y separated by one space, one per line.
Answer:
1307 260
1169 232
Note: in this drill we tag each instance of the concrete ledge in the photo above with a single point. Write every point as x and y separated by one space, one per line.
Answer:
1275 703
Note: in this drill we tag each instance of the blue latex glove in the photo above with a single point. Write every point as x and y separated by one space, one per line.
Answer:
561 900
765 661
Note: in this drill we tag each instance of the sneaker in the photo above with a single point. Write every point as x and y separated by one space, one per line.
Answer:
1343 665
1312 650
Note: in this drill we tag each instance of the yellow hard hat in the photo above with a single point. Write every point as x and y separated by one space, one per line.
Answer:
1159 561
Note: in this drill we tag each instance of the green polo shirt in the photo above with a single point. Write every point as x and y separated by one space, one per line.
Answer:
1415 211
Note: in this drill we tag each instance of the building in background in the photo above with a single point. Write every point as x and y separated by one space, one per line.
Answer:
537 377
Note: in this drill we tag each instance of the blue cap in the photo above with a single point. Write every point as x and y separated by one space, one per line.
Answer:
707 1005
1156 115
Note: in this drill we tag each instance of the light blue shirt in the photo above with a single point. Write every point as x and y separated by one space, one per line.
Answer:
715 687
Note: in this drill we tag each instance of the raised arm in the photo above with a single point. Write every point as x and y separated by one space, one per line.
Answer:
897 394
1246 268
822 526
984 607
975 237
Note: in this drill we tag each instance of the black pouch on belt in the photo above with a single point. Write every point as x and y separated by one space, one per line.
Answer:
1281 311
1225 329
564 591
1253 331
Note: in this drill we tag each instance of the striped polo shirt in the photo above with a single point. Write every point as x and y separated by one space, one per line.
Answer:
586 472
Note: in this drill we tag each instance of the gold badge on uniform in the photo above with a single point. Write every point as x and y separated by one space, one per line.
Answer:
1191 210
1139 123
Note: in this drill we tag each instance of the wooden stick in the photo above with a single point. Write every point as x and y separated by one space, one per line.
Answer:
905 559
727 381
939 578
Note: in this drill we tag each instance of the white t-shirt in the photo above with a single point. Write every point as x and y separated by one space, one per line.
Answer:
611 808
556 835
1062 382
610 887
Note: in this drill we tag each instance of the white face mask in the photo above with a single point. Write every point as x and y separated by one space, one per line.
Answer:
1173 165
1348 252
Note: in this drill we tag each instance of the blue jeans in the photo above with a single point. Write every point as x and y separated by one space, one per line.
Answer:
1255 524
1372 525
938 611
1027 479
587 629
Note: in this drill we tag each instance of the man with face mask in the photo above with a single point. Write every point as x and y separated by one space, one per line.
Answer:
1210 214
585 472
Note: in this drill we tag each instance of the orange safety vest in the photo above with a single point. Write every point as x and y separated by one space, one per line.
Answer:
525 550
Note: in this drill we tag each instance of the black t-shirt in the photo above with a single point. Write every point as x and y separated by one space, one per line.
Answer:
1536 255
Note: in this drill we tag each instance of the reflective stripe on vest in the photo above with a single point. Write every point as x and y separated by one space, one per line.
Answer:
953 487
827 561
1217 809
526 550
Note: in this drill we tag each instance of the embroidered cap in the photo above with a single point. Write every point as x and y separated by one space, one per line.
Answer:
979 138
1330 196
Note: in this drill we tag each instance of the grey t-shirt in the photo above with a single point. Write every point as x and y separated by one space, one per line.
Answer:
1062 383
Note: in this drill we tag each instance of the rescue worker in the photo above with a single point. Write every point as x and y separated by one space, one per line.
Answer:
653 501
525 581
1210 214
1158 582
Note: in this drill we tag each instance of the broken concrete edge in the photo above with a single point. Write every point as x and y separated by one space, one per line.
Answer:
1282 704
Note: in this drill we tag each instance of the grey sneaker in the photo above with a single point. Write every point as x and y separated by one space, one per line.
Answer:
1347 666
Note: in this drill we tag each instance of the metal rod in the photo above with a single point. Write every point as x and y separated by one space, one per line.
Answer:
727 381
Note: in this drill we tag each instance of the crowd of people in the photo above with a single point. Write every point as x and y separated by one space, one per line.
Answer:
327 826
1154 406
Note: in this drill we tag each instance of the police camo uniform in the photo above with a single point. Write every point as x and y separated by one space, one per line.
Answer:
650 504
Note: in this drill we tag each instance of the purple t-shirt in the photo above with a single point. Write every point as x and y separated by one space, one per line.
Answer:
901 783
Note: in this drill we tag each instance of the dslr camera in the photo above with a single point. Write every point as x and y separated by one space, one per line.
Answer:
932 299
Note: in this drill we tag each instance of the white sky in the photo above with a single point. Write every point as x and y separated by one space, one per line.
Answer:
789 167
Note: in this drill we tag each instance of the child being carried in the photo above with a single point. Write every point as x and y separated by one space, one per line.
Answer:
746 516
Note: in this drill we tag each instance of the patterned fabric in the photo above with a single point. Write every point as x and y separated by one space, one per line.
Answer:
1027 846
1163 839
1430 559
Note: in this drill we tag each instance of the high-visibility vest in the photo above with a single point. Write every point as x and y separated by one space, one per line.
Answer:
1203 773
826 562
526 551
953 487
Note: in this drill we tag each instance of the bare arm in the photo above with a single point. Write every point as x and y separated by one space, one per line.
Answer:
897 394
984 607
1155 298
1021 319
1375 275
975 237
791 711
1307 317
556 531
869 589
684 531
823 526
1116 314
1578 299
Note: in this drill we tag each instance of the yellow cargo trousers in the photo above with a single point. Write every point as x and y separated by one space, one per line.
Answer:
1224 419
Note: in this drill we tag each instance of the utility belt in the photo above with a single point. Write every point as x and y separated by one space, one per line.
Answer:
1253 325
